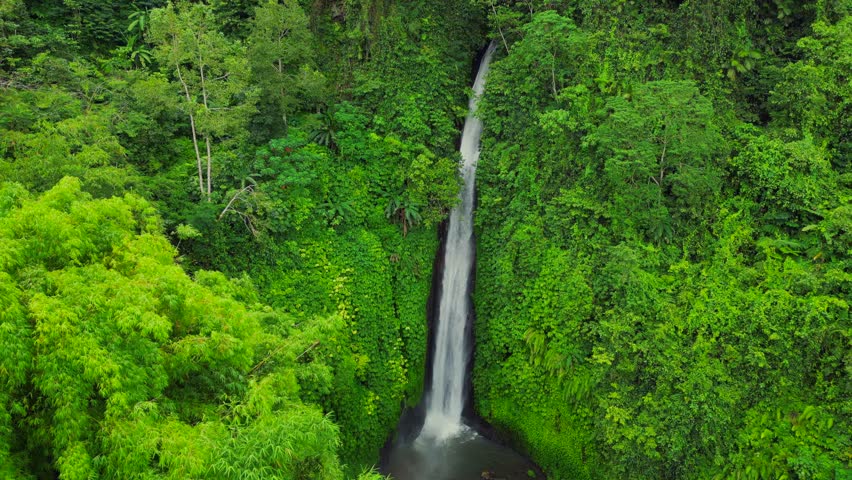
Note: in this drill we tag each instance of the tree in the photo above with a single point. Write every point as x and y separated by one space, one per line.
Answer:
814 94
559 58
554 44
116 364
52 133
212 75
659 149
281 60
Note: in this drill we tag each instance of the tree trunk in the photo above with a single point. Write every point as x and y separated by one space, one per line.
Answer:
206 136
194 133
500 29
209 167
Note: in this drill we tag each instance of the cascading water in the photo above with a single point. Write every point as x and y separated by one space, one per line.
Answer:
445 401
446 448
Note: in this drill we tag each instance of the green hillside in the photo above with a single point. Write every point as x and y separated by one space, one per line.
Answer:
218 221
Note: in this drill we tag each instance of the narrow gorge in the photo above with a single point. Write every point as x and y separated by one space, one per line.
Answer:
447 445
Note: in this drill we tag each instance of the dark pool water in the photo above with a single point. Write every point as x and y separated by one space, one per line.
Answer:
467 456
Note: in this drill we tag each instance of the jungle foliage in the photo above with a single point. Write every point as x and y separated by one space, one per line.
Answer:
303 149
118 365
663 233
664 238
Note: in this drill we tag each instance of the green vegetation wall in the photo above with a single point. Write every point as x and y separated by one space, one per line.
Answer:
118 365
304 149
343 207
664 238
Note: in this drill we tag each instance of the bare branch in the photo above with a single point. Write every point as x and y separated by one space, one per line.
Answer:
313 346
248 188
500 29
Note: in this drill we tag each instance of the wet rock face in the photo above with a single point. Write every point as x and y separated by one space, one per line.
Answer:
442 439
446 398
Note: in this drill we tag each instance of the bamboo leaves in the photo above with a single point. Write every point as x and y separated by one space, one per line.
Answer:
117 362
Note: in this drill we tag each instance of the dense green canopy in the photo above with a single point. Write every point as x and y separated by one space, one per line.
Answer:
664 238
664 233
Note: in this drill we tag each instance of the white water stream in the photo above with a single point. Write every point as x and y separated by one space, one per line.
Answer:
446 398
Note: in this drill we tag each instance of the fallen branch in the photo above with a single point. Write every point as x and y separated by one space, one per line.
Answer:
233 199
313 346
274 352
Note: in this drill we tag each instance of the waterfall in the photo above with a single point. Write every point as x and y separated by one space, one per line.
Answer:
445 400
447 448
